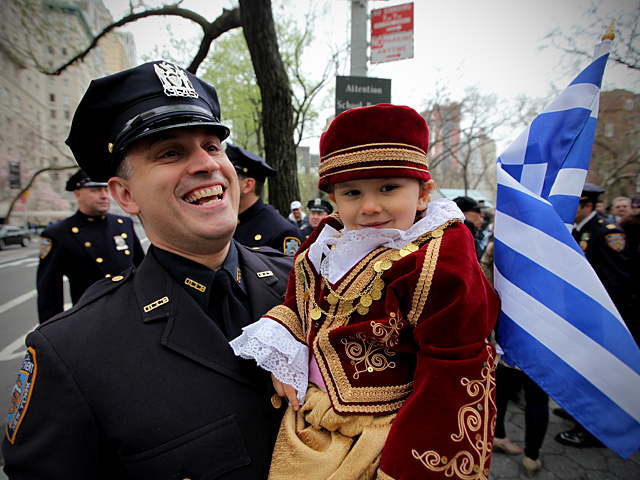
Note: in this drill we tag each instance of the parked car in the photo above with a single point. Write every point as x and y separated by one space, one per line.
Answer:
10 235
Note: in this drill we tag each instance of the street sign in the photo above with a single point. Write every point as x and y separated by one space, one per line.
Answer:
354 92
392 33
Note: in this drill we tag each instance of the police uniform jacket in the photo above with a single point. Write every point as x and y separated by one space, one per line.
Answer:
85 249
137 382
605 246
405 331
261 224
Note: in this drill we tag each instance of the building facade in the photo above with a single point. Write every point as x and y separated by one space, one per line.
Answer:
36 109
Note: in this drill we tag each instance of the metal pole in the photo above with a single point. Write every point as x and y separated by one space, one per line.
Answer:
359 57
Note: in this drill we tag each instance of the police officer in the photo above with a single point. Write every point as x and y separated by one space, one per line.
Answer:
138 379
259 223
88 246
605 246
318 209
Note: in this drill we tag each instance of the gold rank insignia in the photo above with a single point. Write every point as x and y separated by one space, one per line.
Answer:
196 285
611 226
45 246
266 273
616 241
238 276
156 304
257 237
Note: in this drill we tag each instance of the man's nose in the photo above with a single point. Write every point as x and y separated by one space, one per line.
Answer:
202 162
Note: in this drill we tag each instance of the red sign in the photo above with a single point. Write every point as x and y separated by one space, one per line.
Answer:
392 33
392 20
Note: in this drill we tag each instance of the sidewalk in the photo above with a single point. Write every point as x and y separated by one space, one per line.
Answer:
560 462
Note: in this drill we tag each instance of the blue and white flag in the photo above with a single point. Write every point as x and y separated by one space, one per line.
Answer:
557 322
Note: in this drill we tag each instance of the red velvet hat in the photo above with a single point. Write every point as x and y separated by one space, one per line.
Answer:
374 142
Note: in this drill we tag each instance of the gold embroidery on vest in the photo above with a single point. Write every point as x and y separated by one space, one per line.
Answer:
390 332
364 349
472 417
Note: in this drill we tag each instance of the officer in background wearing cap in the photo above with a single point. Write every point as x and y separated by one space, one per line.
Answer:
259 224
86 247
318 209
473 219
297 217
605 246
138 379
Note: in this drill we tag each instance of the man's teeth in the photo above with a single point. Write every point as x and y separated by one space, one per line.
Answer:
215 192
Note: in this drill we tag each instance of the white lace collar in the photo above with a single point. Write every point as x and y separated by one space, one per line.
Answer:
351 246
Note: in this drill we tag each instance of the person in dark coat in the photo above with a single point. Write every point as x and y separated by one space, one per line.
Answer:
86 247
259 223
473 219
605 246
318 209
138 379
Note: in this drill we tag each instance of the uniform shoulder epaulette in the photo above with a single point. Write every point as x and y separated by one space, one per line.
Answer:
95 291
265 250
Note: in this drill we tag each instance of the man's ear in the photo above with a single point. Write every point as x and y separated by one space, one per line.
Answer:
248 184
121 193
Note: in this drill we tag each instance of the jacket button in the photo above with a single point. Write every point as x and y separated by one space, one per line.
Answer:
276 401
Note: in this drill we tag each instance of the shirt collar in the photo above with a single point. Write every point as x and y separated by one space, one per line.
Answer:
579 226
90 219
195 278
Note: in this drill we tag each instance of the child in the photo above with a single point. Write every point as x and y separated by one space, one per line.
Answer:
381 344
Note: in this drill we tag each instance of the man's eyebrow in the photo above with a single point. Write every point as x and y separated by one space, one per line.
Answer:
161 137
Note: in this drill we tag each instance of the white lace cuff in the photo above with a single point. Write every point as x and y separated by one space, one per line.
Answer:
274 349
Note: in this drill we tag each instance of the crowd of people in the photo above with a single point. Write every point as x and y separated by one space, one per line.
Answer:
345 342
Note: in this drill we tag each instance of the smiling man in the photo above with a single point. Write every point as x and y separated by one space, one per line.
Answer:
86 247
138 380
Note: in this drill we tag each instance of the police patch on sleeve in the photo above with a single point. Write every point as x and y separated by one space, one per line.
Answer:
291 245
616 241
21 394
45 246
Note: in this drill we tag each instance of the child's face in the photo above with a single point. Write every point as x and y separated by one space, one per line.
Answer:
379 202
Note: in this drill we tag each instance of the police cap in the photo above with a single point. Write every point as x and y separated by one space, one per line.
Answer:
249 164
590 193
319 205
119 109
466 204
80 180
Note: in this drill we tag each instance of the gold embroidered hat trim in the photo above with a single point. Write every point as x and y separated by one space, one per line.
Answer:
404 154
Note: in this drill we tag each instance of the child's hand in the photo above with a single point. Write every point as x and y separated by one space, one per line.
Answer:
285 390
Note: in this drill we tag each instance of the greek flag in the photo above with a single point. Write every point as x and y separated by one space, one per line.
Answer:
557 322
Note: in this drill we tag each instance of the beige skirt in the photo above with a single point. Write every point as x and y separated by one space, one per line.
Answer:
315 443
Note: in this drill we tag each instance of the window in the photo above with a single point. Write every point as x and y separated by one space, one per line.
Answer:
608 130
67 114
17 104
65 82
52 114
5 96
628 104
64 51
52 97
50 49
51 82
65 100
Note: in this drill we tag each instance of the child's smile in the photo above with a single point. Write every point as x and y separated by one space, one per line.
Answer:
379 202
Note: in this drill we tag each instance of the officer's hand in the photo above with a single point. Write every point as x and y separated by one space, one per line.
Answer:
285 390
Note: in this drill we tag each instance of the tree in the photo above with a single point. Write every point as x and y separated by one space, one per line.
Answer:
462 152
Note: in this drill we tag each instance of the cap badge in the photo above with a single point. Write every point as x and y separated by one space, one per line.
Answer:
174 80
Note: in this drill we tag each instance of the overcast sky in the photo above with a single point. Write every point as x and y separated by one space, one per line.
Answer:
493 44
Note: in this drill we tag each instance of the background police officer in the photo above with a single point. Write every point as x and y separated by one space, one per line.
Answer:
259 223
605 246
138 379
318 209
88 246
